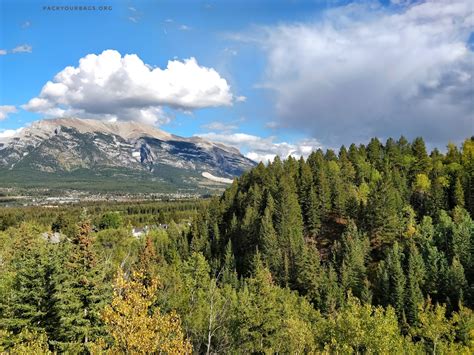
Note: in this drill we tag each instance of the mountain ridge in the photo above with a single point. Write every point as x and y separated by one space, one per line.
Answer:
125 149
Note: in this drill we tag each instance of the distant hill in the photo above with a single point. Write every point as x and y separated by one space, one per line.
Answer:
114 156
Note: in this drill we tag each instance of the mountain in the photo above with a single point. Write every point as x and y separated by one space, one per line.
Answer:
126 156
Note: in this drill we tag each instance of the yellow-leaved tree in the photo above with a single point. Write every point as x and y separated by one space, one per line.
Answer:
137 327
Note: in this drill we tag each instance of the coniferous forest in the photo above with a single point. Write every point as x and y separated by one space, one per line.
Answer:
366 250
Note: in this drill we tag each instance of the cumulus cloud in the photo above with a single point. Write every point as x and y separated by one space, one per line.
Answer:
264 149
8 133
366 70
5 110
24 48
112 86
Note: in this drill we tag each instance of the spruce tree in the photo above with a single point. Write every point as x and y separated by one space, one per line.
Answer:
289 224
458 193
421 163
80 293
456 284
28 305
269 245
382 213
308 199
353 269
415 278
396 280
229 273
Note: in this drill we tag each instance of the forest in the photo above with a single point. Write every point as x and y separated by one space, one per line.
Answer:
366 250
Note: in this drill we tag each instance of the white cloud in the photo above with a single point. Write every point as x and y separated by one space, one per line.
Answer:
5 110
241 99
3 51
220 126
108 86
8 133
366 70
184 28
264 149
134 16
24 48
26 24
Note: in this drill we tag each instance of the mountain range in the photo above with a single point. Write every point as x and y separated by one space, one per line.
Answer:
114 156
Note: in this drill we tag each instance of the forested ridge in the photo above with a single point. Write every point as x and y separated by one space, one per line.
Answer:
368 250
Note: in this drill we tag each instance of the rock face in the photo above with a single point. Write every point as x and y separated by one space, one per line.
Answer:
66 145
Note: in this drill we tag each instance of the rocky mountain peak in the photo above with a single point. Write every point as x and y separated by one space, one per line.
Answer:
65 146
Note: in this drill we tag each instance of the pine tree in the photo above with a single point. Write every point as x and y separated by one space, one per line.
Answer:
396 279
28 305
421 163
468 164
375 153
415 277
289 224
458 194
338 193
456 284
80 294
331 294
463 240
229 273
321 184
354 252
382 213
258 319
308 276
308 199
269 245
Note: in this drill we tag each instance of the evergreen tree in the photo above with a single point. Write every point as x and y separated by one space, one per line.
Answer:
458 194
80 294
382 213
259 319
331 294
269 245
229 273
396 280
28 305
289 224
375 153
353 269
308 199
415 277
421 163
456 284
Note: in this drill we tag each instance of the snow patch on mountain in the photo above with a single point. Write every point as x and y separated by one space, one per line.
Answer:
216 178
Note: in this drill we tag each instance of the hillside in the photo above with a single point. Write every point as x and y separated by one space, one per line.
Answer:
365 251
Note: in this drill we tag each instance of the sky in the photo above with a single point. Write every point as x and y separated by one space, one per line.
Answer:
270 77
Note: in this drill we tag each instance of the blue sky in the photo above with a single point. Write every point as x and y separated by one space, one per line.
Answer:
313 73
